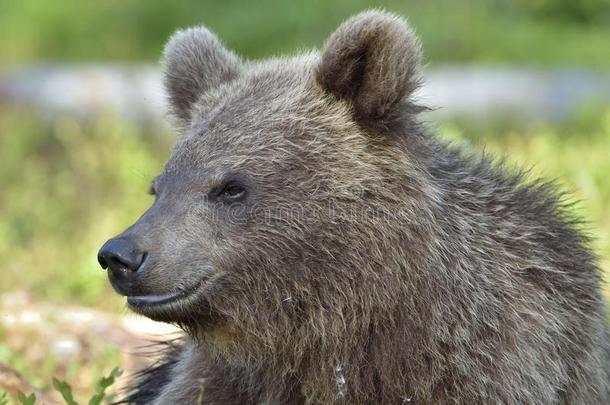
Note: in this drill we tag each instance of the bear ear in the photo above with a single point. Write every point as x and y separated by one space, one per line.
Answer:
371 60
194 62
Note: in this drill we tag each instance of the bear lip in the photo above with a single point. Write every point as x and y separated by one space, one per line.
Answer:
148 300
140 301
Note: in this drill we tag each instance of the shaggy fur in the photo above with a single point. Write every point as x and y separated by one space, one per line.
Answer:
335 252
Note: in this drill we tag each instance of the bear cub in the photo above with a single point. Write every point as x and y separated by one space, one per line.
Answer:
318 245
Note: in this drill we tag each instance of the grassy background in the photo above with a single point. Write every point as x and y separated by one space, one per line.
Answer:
67 185
536 32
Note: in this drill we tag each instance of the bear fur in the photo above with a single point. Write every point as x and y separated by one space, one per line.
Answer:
336 252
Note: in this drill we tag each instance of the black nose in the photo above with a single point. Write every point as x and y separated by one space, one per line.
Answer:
120 256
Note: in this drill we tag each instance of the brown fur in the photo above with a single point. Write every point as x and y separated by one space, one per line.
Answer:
366 261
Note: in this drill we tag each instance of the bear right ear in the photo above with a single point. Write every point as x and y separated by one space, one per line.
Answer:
372 61
194 62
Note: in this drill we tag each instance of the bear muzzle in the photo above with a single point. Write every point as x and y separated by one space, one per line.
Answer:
124 262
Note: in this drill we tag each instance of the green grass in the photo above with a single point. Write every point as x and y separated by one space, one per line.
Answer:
66 187
66 392
538 33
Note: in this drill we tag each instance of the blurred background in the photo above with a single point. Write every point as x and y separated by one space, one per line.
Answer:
83 131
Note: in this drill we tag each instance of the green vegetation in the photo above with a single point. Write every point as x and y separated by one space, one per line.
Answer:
66 391
533 32
66 187
100 390
27 400
26 349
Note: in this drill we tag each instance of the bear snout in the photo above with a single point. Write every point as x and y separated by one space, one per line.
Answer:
123 260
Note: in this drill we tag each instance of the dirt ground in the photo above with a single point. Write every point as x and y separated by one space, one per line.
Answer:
39 341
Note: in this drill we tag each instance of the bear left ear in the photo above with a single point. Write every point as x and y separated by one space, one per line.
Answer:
372 60
195 62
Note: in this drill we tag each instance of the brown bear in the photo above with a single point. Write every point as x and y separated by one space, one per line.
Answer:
318 245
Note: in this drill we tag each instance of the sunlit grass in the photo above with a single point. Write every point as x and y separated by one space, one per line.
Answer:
66 187
508 32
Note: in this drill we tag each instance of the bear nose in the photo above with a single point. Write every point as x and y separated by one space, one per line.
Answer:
120 256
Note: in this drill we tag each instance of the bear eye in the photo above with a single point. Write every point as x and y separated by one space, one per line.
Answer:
232 191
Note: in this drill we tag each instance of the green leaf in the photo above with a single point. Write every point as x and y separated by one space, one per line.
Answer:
29 400
65 391
102 384
4 399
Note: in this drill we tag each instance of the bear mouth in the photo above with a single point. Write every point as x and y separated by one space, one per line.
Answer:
177 306
142 302
152 300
